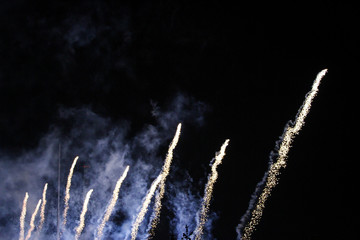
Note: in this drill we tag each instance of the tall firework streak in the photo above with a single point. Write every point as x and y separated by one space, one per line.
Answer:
209 190
22 217
112 204
82 215
165 172
291 130
67 191
145 206
32 221
42 210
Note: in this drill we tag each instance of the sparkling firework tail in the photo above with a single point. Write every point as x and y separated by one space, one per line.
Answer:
112 204
22 217
42 211
82 215
208 192
287 138
67 191
165 172
32 221
144 207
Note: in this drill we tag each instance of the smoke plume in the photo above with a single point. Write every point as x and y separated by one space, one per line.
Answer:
105 147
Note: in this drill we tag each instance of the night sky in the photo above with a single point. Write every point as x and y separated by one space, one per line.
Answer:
225 71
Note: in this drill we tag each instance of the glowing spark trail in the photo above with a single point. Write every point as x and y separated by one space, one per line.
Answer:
208 191
112 204
22 217
67 191
42 211
164 173
287 138
82 215
32 220
145 206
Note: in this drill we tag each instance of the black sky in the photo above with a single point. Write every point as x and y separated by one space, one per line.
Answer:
250 64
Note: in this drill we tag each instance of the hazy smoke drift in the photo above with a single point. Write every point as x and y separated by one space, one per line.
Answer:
108 146
274 170
82 215
208 191
165 172
67 191
22 217
111 206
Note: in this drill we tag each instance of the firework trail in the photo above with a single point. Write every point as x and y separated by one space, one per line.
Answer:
291 130
82 215
208 191
145 206
165 172
42 211
22 217
32 225
112 204
67 191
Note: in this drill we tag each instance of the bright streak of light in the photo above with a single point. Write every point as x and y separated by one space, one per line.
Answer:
165 172
82 215
32 225
209 190
145 206
22 217
67 191
274 170
112 204
42 211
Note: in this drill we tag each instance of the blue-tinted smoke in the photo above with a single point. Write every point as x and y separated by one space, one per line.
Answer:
105 148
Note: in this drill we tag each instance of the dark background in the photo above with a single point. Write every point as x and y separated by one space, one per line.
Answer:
251 64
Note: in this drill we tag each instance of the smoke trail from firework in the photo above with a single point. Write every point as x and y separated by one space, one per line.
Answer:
32 220
22 217
67 191
208 191
286 140
111 206
145 206
165 172
82 215
42 211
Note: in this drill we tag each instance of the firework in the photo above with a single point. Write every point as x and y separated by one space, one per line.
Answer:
274 170
209 190
32 220
145 206
67 191
22 217
42 211
165 172
111 206
82 215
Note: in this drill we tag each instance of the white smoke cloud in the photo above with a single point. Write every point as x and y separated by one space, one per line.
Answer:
105 148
